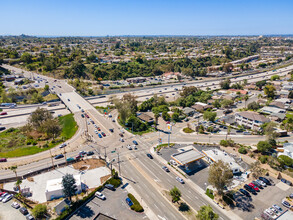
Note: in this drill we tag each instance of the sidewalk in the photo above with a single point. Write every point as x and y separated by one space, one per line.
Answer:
228 214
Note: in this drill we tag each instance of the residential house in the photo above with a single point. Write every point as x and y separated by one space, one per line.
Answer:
251 120
274 111
188 111
199 106
287 150
145 118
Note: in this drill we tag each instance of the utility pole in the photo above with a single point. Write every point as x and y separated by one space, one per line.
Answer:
52 159
119 164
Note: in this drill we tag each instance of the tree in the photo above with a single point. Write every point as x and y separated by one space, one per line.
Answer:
175 116
26 58
253 106
175 193
275 77
260 84
166 116
220 176
52 128
225 84
38 117
228 67
188 90
285 160
263 146
207 213
246 97
210 116
46 88
17 184
39 211
69 185
256 170
216 104
225 103
270 91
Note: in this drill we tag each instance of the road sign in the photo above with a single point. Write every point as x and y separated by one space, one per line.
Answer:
169 127
160 140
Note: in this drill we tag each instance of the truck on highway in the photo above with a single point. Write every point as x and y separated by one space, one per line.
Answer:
10 105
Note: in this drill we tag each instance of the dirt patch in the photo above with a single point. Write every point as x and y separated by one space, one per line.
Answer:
83 168
105 178
89 164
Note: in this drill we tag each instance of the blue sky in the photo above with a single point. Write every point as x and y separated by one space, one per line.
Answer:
146 17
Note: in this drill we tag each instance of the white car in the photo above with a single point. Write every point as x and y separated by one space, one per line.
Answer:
179 180
63 145
3 196
100 195
15 205
7 198
96 132
129 147
121 139
261 182
95 126
173 162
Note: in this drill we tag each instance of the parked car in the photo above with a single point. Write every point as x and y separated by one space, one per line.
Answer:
89 153
111 129
286 204
129 202
129 147
291 196
103 134
121 135
135 142
286 181
100 195
29 217
87 116
257 184
59 156
150 156
78 157
243 191
96 132
3 196
7 198
254 187
249 188
261 182
100 136
3 113
110 186
173 162
2 128
15 205
180 180
82 115
82 152
23 211
165 168
265 180
121 139
278 208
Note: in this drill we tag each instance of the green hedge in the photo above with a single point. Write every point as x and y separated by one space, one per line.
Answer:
115 182
242 150
188 130
210 193
136 205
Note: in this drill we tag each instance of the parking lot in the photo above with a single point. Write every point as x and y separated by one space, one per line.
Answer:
268 196
9 213
114 206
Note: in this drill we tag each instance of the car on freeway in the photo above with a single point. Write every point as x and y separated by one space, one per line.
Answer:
96 132
100 136
3 160
135 142
103 133
277 207
110 186
180 180
98 128
69 159
121 139
165 168
15 205
129 202
265 180
100 195
7 198
89 153
250 189
23 211
82 110
291 196
3 113
150 156
59 156
254 187
87 116
134 147
243 191
261 183
286 204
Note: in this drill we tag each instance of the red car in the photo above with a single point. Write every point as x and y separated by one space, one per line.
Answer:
86 115
79 157
98 128
254 187
3 113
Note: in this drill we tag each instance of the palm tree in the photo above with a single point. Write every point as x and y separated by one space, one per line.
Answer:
228 131
156 115
14 168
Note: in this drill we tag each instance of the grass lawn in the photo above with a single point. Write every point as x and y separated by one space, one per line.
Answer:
13 143
69 126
